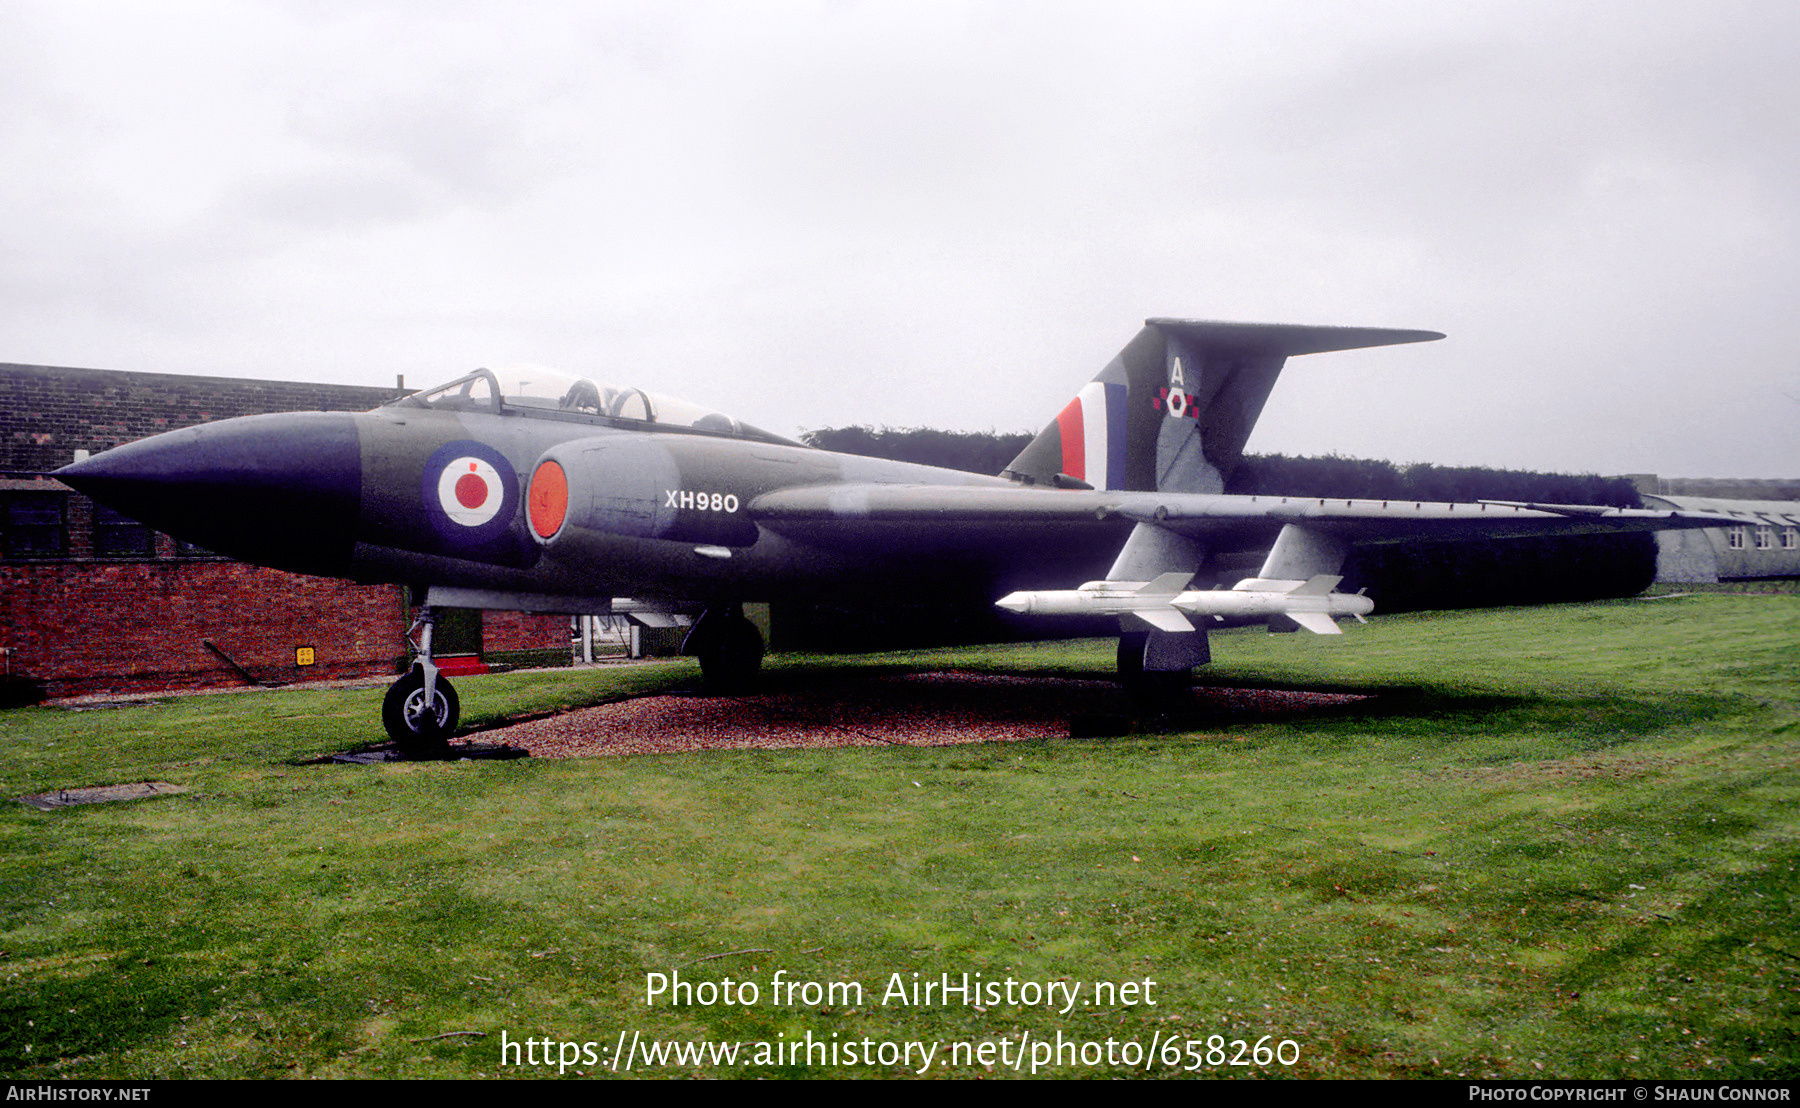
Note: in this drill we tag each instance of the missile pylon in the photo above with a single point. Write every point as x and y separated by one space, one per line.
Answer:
1166 603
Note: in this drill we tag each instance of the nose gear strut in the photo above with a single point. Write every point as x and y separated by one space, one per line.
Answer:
421 709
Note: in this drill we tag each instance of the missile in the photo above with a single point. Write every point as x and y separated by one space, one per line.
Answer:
1311 603
1162 603
1150 601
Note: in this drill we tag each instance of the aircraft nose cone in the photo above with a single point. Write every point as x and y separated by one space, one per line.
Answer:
279 490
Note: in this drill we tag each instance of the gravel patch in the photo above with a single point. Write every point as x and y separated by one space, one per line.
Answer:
927 709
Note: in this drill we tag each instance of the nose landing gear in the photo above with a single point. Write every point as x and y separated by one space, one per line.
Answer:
421 709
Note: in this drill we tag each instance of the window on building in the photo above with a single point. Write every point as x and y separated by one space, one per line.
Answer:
1790 538
36 525
1765 537
120 536
1734 538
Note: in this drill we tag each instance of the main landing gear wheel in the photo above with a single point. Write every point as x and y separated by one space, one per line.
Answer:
731 655
1159 690
410 722
1131 656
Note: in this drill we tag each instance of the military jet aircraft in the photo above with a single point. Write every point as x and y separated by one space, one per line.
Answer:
536 491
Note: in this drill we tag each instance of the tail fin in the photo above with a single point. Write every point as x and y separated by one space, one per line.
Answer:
1172 411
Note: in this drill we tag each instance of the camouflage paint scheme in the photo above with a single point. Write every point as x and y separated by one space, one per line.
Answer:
547 492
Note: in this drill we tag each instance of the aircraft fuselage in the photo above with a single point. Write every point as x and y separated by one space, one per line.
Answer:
425 496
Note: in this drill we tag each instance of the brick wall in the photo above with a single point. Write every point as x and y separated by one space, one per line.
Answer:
47 412
134 626
515 631
83 623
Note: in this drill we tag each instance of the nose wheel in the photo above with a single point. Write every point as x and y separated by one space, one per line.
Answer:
420 711
417 720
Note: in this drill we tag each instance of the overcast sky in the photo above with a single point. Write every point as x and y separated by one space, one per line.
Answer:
938 214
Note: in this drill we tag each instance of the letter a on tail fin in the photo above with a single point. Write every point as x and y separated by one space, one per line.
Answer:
1172 411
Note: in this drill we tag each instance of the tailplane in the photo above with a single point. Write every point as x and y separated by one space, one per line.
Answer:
1172 411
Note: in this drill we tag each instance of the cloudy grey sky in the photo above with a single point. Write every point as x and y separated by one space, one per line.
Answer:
943 214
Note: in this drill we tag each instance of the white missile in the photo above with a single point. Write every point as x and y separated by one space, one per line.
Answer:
1151 601
1161 603
1310 603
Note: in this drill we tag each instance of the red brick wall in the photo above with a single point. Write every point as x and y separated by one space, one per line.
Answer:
502 631
84 625
49 412
141 626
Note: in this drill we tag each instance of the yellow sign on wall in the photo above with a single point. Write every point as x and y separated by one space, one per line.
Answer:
303 655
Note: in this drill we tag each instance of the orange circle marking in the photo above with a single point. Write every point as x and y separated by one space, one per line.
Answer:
547 501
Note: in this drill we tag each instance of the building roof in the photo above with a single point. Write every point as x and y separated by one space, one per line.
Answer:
49 412
1754 511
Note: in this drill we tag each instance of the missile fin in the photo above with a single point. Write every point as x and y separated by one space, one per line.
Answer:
1320 585
1168 584
1164 619
1317 622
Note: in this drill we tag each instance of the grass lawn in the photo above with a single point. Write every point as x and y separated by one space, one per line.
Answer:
1556 842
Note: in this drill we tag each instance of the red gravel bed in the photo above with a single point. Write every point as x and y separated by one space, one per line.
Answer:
928 709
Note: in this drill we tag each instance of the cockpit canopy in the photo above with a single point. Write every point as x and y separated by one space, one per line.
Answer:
538 390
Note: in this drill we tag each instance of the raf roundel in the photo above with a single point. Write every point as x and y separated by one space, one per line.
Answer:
471 493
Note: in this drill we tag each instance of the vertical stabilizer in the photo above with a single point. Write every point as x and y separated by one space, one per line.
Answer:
1172 411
